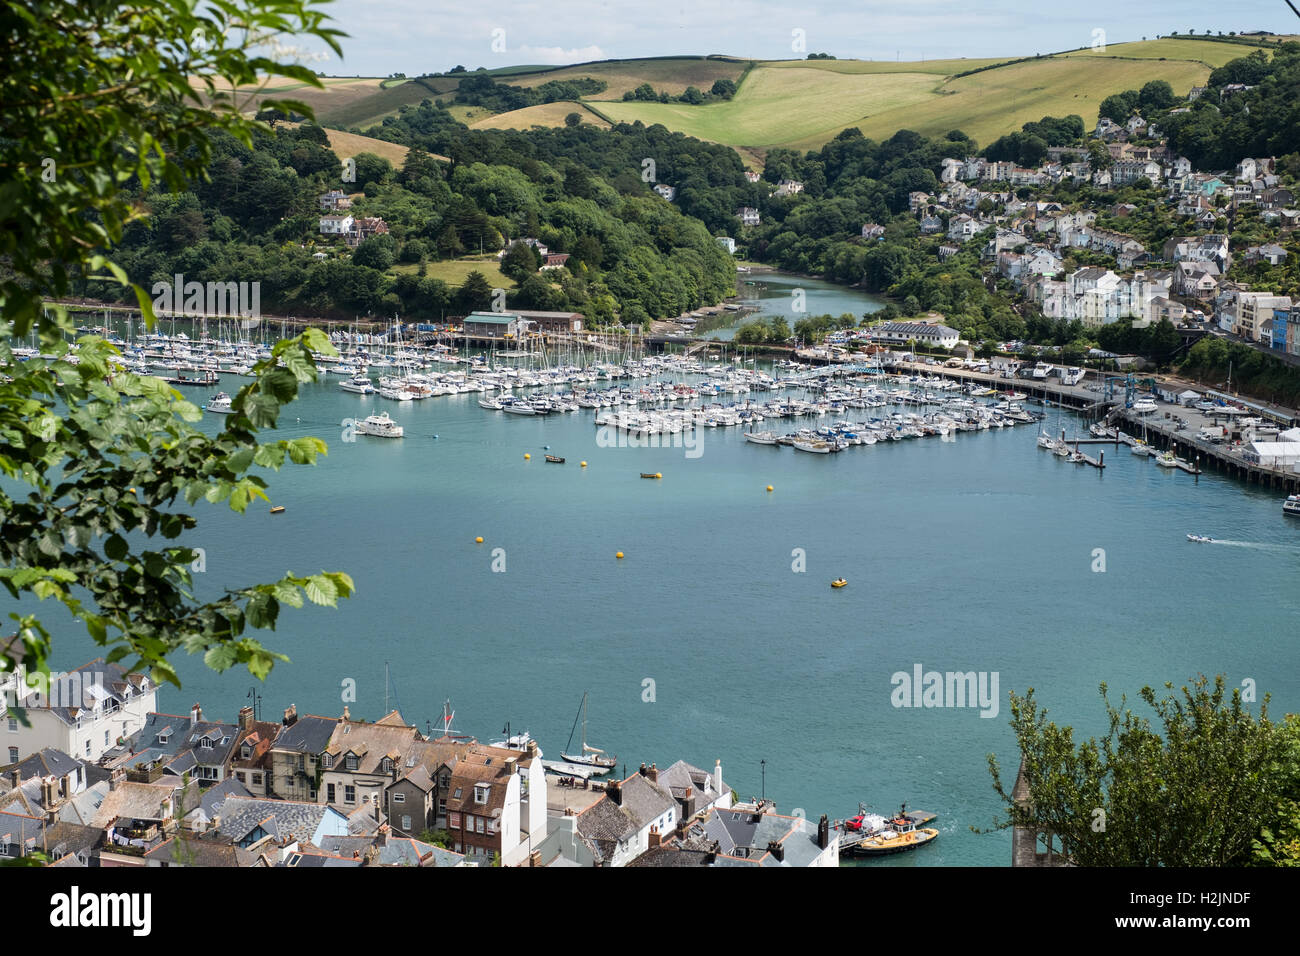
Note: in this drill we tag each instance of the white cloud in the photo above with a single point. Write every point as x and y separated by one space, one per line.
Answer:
558 55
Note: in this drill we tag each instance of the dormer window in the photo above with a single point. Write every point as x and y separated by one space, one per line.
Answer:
481 793
351 762
206 743
246 751
387 765
329 761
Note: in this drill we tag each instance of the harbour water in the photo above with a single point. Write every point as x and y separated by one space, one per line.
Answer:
769 294
706 641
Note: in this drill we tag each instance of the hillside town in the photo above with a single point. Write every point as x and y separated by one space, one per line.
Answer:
98 777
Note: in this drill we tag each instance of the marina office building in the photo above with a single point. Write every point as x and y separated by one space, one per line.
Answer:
496 325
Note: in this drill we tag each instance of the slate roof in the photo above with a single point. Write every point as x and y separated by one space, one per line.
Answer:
134 801
306 735
281 819
106 683
44 762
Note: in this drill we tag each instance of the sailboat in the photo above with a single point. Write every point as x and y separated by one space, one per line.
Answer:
588 756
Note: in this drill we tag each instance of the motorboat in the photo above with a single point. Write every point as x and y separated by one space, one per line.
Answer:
1145 406
1292 505
380 426
219 404
360 384
1167 459
839 583
1200 538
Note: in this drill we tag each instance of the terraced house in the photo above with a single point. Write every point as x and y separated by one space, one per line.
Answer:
497 804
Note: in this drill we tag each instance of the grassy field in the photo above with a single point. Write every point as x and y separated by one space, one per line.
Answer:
1210 52
454 271
350 144
938 67
673 75
548 114
779 106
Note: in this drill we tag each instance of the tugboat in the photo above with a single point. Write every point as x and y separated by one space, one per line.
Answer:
900 834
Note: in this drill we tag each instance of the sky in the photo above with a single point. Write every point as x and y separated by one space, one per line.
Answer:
429 36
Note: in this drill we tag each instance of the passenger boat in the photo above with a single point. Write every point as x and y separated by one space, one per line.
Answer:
1201 538
219 404
555 460
839 583
380 426
1292 505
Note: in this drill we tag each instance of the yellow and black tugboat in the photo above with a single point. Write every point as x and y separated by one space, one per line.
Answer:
898 834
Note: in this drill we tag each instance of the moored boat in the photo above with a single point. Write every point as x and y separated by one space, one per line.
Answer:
380 426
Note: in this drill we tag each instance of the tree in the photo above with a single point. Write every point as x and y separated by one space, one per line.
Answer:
474 294
376 253
97 458
1198 795
573 119
692 95
1156 95
519 262
723 88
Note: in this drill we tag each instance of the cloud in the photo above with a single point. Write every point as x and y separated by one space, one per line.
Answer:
558 55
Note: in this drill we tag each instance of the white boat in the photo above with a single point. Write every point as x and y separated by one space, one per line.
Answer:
1292 505
1141 448
360 384
397 394
815 447
1145 406
491 403
593 758
1167 459
762 438
1201 538
380 426
219 404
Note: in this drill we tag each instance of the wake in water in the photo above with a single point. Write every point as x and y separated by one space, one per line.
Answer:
1259 545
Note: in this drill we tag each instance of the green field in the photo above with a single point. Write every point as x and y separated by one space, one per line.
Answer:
454 271
670 74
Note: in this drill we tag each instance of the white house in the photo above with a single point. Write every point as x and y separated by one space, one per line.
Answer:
336 225
83 713
727 243
668 192
788 187
923 333
748 216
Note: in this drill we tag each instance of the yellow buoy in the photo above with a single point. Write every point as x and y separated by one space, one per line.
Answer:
618 554
659 474
584 464
478 540
527 456
769 487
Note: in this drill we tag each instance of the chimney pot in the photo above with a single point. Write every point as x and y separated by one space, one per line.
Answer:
291 715
655 838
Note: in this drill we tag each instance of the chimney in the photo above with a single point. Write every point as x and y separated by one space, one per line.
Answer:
653 773
49 791
642 771
512 766
535 858
345 712
16 777
823 832
777 849
196 714
532 748
115 778
655 838
291 715
717 775
245 720
614 790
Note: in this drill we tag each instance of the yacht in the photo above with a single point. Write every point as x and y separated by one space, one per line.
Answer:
360 384
517 406
1144 406
396 393
380 426
219 404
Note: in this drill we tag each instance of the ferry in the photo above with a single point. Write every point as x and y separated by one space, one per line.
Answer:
380 426
1292 505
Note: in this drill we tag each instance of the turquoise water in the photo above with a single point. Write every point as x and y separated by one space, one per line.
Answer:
772 294
970 554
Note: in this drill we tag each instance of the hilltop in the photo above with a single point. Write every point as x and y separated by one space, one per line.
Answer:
803 104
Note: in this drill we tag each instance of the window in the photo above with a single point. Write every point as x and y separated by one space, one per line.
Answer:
13 754
239 775
387 765
246 751
87 748
351 762
456 795
399 797
288 783
257 779
206 743
329 761
406 823
349 794
106 738
480 793
13 725
329 793
454 821
478 824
